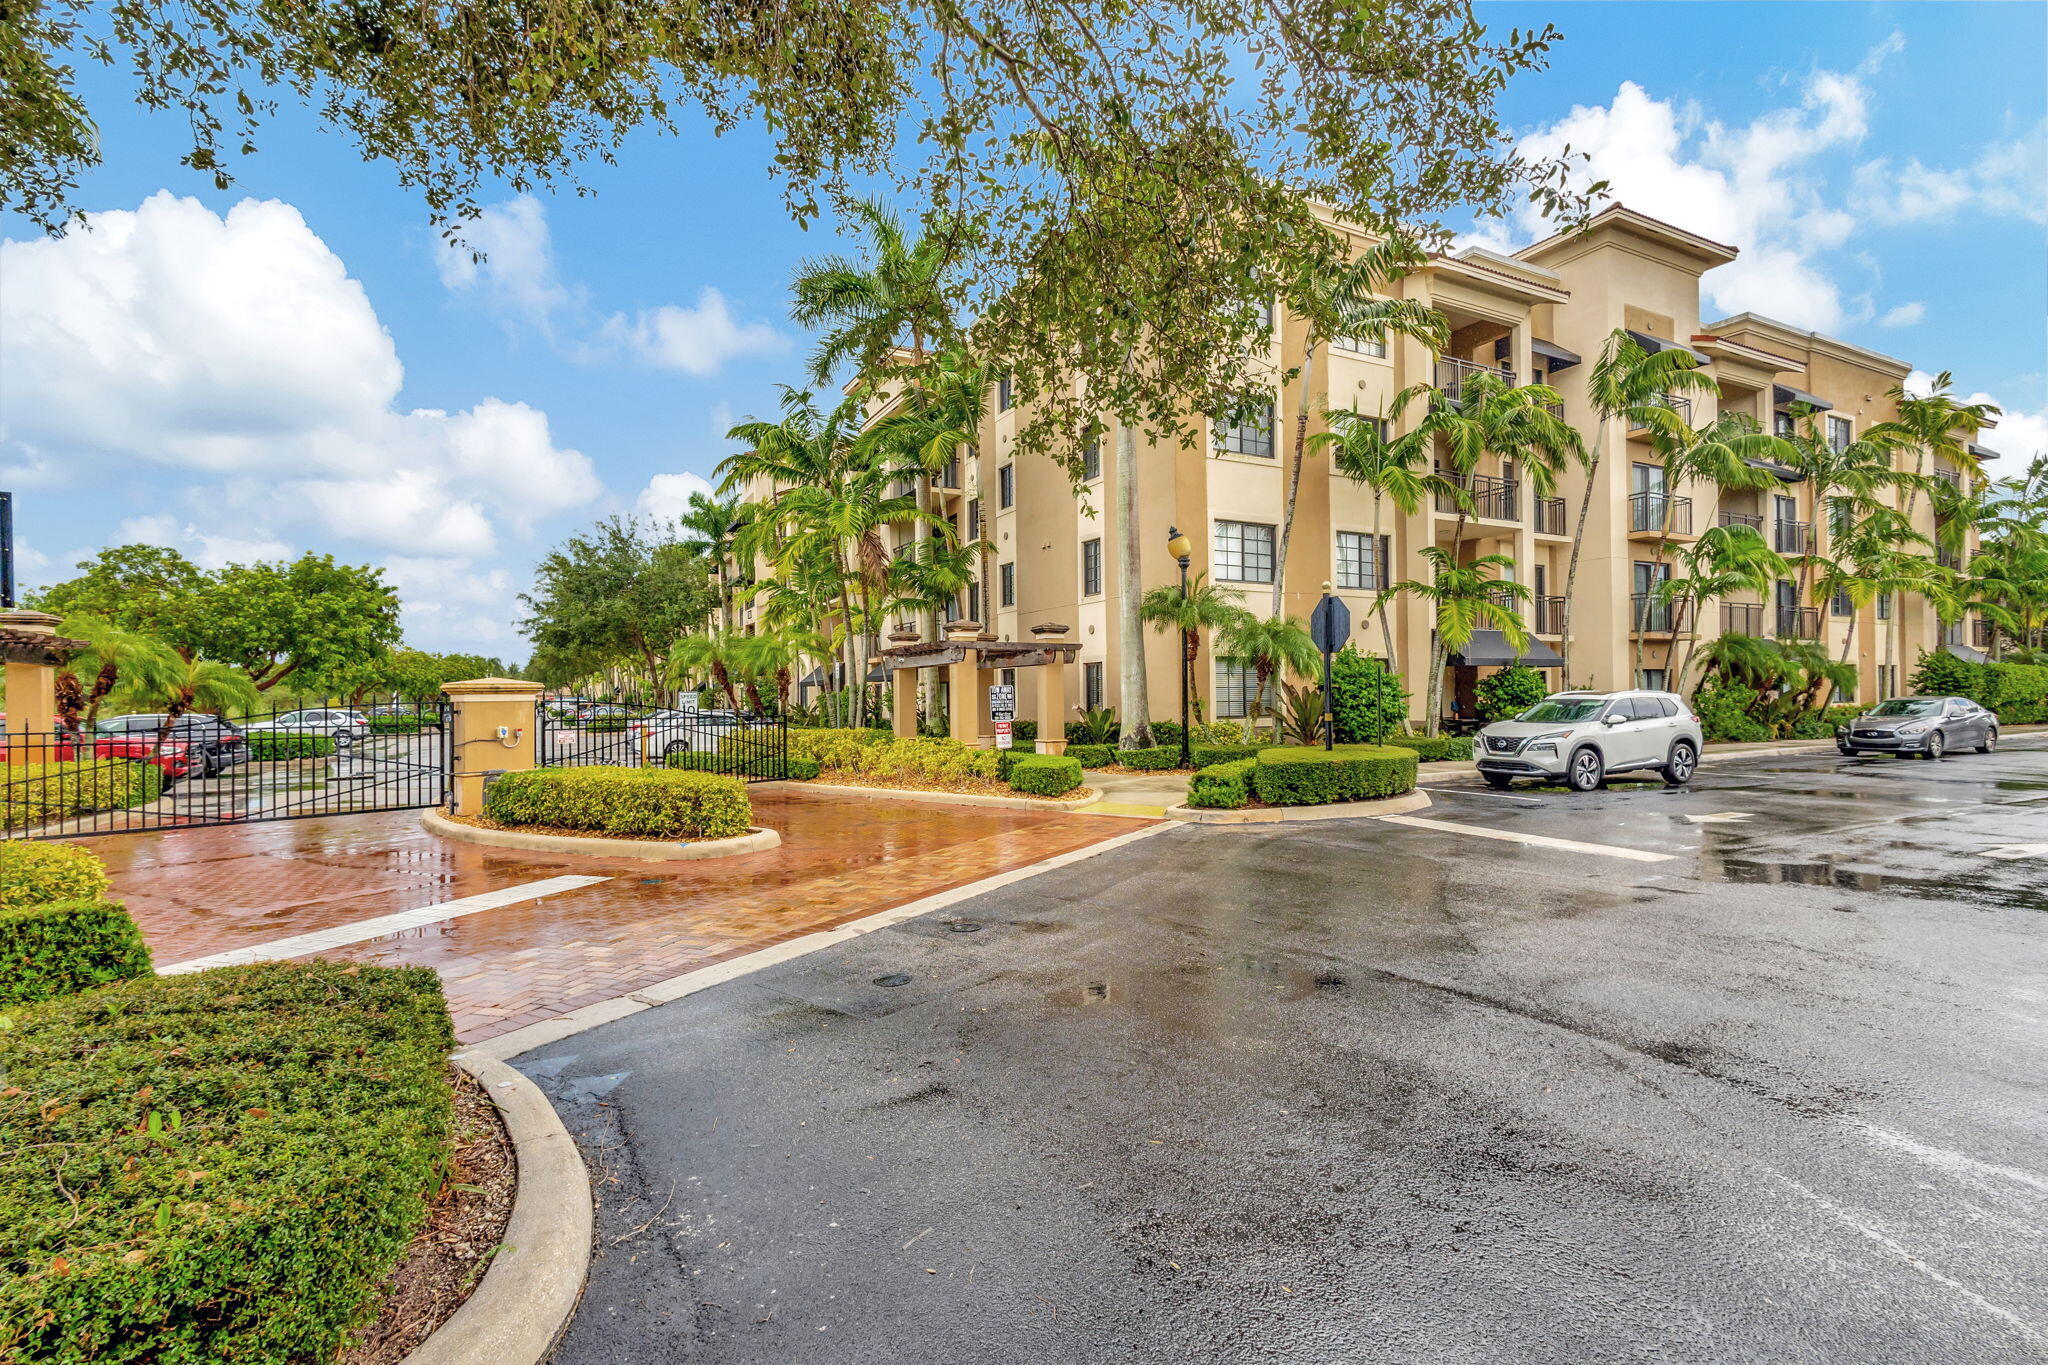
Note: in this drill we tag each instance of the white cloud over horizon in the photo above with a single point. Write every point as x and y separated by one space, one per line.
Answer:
667 496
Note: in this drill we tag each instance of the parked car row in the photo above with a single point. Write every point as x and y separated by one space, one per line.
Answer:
1582 738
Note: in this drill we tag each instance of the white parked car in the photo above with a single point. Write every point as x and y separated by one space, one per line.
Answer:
333 721
1581 738
662 733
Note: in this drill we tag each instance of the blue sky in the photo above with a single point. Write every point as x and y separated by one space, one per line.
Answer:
296 364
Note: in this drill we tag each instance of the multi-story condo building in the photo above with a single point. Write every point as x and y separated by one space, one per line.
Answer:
1542 314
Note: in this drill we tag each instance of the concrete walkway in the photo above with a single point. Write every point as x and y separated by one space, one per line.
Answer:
1136 795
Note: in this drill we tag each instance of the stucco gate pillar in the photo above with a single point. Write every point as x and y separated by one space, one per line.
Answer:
32 651
485 707
1052 692
903 690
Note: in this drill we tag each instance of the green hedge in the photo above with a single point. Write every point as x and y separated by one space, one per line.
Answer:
1158 758
1285 775
218 1167
397 725
791 769
655 803
66 946
2017 692
266 746
1438 749
1092 755
1007 759
37 793
36 874
1209 755
1367 703
1045 774
828 748
1222 786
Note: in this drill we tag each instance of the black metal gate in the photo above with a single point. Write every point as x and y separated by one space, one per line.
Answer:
142 772
575 732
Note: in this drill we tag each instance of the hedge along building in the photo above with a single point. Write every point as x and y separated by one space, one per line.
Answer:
1541 315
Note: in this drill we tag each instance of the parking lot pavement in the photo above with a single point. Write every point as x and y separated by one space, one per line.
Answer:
1371 1092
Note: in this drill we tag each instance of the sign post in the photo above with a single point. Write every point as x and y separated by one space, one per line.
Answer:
1330 626
1002 711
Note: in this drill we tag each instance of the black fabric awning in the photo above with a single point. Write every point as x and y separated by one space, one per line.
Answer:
1786 473
1490 648
1784 395
1983 452
1656 344
880 673
814 678
1967 653
1558 356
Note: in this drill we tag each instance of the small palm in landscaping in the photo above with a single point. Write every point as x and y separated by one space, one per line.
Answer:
1301 713
1270 646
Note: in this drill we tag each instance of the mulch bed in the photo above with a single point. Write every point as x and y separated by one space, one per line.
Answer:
462 1233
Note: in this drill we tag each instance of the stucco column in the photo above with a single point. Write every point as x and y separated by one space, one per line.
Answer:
484 707
1052 693
31 684
903 688
967 699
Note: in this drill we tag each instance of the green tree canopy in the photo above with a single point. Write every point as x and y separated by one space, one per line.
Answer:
617 594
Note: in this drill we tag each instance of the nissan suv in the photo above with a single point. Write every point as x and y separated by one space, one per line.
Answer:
1582 738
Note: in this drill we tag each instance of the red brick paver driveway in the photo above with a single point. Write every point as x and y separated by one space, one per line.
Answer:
205 891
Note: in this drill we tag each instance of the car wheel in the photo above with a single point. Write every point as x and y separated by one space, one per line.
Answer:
1936 746
1586 771
1990 740
342 732
672 750
1679 770
1497 781
1845 751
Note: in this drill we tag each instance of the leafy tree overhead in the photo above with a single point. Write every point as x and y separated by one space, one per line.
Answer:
617 594
145 588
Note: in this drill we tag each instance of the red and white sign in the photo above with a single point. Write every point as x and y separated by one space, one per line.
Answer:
1003 734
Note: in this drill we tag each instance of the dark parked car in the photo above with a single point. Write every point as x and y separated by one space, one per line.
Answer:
197 744
1927 726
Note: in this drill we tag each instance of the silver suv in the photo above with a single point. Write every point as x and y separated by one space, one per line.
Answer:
1580 738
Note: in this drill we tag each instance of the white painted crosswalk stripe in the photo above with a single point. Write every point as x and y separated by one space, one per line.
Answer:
1534 840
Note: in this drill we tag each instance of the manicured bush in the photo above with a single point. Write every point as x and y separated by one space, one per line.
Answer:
2017 692
1438 748
1045 775
765 766
397 725
34 794
1727 715
1286 775
1509 692
1222 786
1841 715
36 874
648 803
1367 702
1092 755
1219 732
930 758
1006 759
60 947
217 1167
1158 758
827 748
1942 674
1024 731
1166 732
1209 755
268 746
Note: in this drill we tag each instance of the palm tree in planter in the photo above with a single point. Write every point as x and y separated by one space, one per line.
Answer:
1724 561
1395 468
1341 299
112 657
1638 386
1464 598
1203 606
1268 646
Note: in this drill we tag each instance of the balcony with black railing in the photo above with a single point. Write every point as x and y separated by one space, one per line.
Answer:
1452 374
1948 559
1487 496
1753 520
1742 618
1678 403
1792 537
1549 516
1549 615
1796 623
1647 615
1659 514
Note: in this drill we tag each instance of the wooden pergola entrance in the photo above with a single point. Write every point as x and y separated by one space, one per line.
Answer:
971 662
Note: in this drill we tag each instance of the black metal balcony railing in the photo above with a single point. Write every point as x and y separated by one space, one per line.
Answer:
1550 516
1451 374
1980 634
1792 537
1797 623
1549 615
1490 496
949 476
1949 559
1501 597
1648 616
1742 618
1660 512
1676 402
1752 520
1952 477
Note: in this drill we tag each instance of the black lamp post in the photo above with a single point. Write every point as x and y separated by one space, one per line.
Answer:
1181 549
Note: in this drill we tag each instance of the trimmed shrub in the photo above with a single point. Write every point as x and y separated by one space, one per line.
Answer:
656 803
1438 749
1209 755
1286 775
270 746
1025 732
1509 692
766 766
1942 674
827 748
2017 692
1727 715
1045 775
1840 715
1219 732
61 947
397 725
1006 759
1158 758
36 874
222 1166
1092 755
38 793
927 759
1166 732
1222 786
1367 702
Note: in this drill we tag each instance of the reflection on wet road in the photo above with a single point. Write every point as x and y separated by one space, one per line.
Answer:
1354 1091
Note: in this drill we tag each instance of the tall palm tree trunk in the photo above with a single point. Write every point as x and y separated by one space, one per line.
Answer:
1132 703
1571 572
1439 656
1384 575
1308 360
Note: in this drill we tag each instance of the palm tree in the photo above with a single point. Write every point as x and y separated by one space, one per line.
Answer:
1637 385
869 309
1517 422
1393 468
193 685
1723 561
1341 299
112 657
724 656
1934 423
707 526
1200 606
1463 599
1267 645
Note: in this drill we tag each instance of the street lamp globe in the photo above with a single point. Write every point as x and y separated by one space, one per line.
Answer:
1178 545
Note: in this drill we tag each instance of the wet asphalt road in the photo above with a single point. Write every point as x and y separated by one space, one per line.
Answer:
1363 1092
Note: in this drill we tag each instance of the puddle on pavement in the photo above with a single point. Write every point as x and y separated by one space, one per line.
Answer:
2017 785
1964 889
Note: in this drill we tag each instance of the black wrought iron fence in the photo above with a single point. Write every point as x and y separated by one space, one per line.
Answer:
632 733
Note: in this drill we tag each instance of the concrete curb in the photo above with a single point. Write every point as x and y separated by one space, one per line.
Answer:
755 840
530 1292
1278 815
1074 799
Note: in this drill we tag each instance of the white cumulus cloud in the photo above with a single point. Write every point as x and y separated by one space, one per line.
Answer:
667 496
696 340
507 253
1905 315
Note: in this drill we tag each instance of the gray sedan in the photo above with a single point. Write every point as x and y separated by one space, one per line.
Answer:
1927 726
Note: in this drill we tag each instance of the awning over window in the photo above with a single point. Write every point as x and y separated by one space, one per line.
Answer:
1966 653
880 673
1656 344
1784 395
1490 648
1786 473
1558 356
1983 452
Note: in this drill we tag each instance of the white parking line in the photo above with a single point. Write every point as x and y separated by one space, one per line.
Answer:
343 934
1635 855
